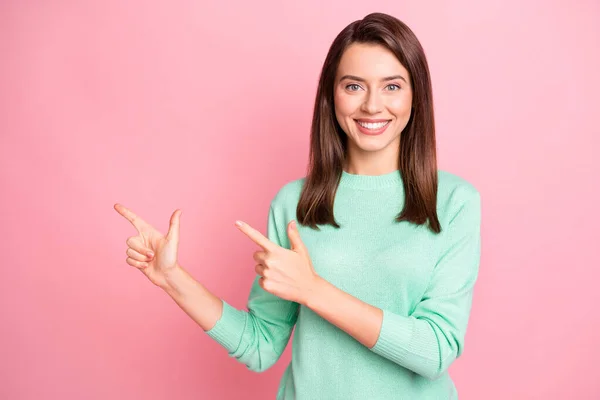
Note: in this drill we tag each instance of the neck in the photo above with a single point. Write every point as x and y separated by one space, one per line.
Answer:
378 167
360 162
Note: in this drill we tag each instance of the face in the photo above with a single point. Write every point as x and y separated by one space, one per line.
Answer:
372 99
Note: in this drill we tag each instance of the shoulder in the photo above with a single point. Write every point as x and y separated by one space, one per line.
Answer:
453 186
456 194
288 195
283 206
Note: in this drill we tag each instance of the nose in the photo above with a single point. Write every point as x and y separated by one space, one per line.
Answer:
372 103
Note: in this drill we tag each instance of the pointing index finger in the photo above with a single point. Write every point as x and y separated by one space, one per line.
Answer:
129 215
255 236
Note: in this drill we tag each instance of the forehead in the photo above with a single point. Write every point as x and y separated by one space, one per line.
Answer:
369 61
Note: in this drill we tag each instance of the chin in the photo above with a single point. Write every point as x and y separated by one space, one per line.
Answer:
370 147
375 143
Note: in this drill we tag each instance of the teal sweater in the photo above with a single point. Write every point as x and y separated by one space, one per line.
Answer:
422 281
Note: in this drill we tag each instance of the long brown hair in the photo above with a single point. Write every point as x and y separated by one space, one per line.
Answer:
328 142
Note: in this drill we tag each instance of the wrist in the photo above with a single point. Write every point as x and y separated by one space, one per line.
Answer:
174 280
316 292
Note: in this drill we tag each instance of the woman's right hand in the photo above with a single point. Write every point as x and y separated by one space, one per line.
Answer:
149 251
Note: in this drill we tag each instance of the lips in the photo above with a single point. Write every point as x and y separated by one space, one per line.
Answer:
371 120
372 126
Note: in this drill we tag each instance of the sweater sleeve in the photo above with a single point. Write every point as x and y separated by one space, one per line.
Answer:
432 337
258 337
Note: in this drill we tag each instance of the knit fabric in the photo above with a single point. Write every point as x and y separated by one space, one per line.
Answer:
422 281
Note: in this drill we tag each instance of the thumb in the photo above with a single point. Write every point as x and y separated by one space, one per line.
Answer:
173 233
294 235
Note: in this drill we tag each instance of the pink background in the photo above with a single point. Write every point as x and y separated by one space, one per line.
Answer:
207 108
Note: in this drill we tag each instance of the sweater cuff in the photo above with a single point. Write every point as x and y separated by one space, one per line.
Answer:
229 328
395 337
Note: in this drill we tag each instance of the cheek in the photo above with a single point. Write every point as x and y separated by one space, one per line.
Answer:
344 105
400 106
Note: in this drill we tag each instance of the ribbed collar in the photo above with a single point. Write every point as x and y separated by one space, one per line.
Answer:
370 181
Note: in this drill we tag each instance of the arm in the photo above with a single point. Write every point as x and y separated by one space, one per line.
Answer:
192 297
256 337
432 337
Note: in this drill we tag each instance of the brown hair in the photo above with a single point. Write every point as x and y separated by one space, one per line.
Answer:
328 142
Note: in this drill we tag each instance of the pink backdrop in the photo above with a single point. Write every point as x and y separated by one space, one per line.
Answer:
207 108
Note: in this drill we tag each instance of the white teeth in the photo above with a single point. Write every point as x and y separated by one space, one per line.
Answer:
376 125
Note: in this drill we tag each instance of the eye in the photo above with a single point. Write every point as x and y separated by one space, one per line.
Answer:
351 86
394 85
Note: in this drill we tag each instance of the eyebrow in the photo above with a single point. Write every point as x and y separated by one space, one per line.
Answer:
387 78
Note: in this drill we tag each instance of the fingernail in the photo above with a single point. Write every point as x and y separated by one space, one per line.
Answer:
239 223
293 224
150 254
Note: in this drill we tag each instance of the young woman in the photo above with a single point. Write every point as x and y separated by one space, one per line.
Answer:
377 275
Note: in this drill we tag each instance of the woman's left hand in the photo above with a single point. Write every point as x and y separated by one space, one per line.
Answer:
287 274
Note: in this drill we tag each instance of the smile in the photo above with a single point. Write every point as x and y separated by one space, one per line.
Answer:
372 128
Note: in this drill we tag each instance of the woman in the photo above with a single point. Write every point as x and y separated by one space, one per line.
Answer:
377 276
